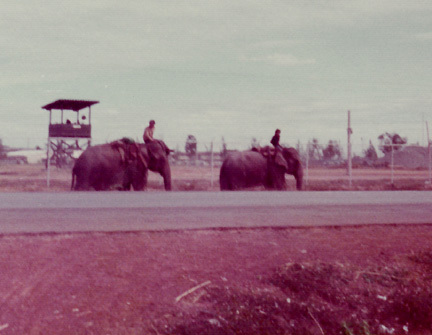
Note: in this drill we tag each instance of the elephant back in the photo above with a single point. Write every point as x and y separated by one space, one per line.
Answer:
129 151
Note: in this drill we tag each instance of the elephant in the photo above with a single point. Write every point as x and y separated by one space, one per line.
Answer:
257 167
121 165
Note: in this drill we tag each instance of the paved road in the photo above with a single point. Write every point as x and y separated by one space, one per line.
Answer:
132 211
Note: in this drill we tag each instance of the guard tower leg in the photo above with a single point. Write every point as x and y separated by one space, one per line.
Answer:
48 162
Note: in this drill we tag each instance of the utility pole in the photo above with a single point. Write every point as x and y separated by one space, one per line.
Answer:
211 165
429 141
423 130
349 162
307 163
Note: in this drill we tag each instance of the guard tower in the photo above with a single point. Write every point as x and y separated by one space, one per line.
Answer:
67 136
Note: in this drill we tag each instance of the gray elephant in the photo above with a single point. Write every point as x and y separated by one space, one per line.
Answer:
121 165
243 169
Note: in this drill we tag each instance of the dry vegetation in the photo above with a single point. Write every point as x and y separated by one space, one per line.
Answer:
314 281
318 298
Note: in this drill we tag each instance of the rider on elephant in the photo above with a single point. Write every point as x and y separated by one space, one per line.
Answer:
148 138
148 132
275 140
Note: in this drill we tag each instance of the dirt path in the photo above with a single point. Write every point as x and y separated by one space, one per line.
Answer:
128 283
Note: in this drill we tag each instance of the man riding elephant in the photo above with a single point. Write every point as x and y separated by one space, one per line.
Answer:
149 131
148 137
261 167
121 165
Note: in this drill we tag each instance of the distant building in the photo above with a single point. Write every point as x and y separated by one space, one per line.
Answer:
410 157
27 156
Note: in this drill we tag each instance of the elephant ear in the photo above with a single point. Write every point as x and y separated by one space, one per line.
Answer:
158 149
292 156
280 161
291 153
140 157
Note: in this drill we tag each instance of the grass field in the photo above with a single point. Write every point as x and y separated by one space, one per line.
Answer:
33 178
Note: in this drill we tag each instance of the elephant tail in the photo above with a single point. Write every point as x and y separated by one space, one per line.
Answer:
73 180
224 183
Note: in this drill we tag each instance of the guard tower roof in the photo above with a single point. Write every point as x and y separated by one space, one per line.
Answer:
74 105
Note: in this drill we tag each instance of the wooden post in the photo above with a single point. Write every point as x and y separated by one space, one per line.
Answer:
48 162
349 161
392 164
48 151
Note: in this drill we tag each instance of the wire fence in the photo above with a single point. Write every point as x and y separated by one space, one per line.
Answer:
211 154
413 157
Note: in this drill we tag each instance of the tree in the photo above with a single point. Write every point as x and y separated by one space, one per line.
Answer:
370 153
387 141
2 150
191 146
332 150
315 150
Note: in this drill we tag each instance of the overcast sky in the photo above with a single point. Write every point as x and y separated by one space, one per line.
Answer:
233 69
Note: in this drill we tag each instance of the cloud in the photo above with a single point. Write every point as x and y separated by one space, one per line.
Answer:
288 60
424 36
183 60
280 59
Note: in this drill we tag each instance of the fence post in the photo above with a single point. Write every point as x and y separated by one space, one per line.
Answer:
349 165
392 165
430 161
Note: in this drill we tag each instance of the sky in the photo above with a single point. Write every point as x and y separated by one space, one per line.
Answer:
219 69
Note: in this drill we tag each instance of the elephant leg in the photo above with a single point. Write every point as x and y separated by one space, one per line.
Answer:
275 178
224 184
126 186
127 180
139 182
224 180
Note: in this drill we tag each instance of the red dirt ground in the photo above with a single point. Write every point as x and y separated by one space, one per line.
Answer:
348 280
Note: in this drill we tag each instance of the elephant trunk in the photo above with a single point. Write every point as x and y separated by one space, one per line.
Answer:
166 174
73 180
299 177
